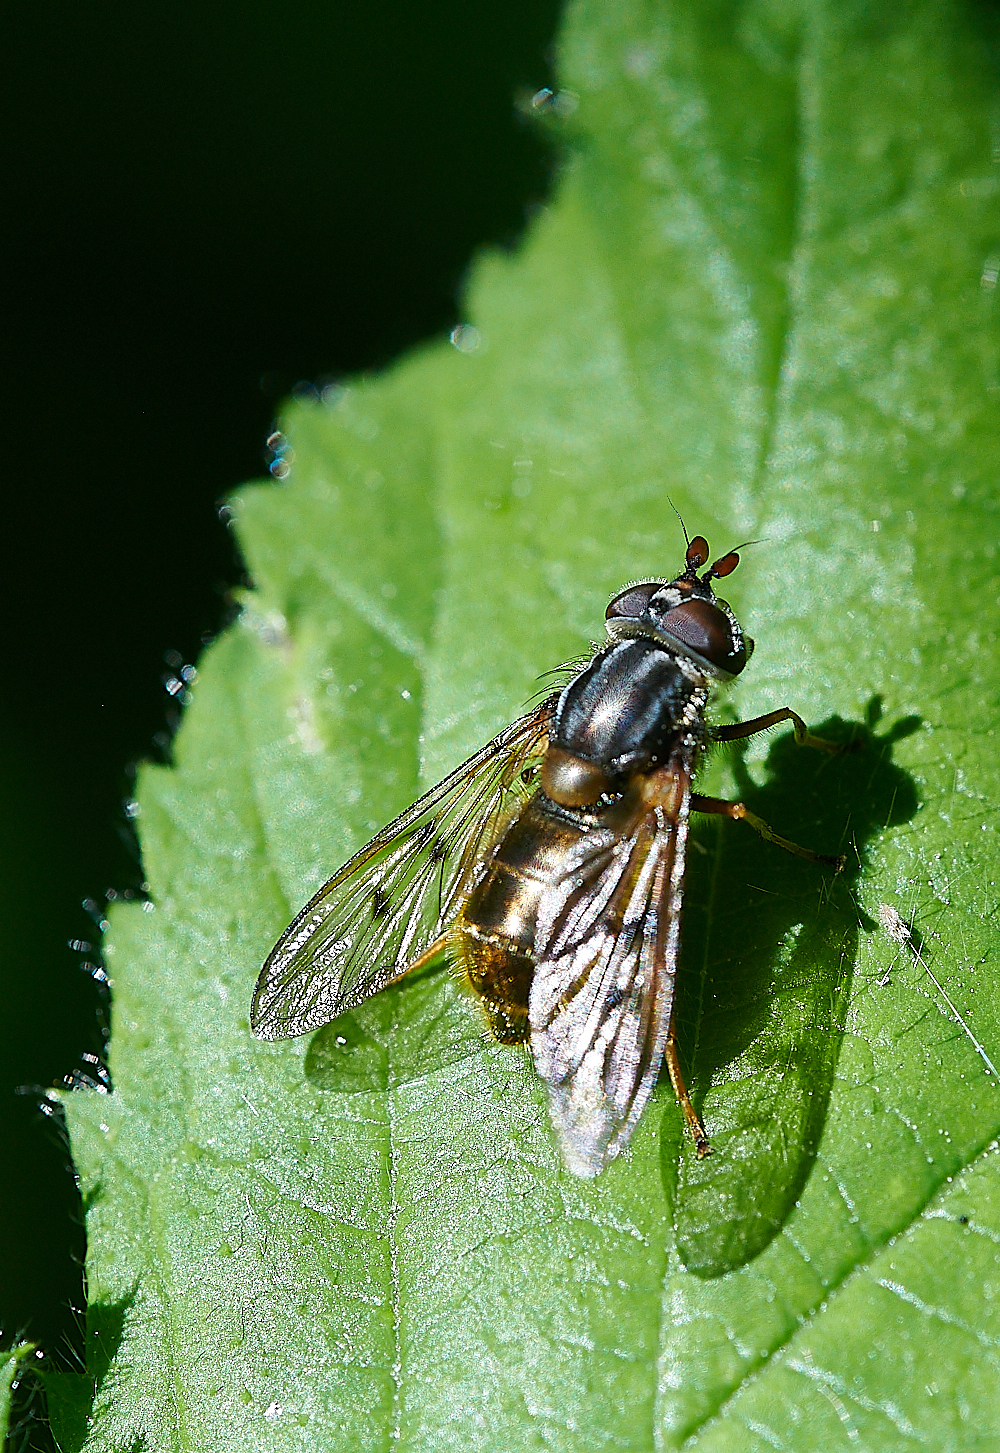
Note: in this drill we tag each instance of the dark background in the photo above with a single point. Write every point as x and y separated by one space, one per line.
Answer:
204 204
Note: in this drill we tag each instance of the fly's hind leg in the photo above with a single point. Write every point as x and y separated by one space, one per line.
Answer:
740 812
803 736
691 1116
439 947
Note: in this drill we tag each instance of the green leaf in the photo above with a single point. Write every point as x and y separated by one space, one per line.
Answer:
765 285
10 1367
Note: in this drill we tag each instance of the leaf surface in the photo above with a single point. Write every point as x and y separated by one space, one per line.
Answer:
765 286
10 1369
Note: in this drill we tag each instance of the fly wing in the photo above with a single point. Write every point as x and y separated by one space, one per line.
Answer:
606 949
390 902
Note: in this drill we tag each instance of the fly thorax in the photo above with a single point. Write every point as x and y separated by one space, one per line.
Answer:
627 711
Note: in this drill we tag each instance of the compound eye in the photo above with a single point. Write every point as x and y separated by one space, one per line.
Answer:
697 551
705 629
725 566
633 602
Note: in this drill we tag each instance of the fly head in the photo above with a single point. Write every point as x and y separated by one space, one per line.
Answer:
686 614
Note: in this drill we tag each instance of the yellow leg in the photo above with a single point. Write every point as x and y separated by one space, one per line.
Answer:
803 736
694 1121
742 813
427 957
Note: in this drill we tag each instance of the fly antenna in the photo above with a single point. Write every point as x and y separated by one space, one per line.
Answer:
687 538
727 563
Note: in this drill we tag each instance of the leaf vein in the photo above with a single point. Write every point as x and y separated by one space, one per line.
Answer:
836 1288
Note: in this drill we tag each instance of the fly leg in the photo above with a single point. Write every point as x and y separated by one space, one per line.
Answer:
741 812
803 736
428 956
694 1123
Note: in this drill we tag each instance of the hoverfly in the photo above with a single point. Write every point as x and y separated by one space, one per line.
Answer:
550 867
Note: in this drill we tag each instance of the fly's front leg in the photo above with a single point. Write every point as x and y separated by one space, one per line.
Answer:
741 812
803 736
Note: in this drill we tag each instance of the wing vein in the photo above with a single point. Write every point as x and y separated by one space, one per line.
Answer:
381 912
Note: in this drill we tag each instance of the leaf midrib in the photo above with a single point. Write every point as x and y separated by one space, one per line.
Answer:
779 355
768 433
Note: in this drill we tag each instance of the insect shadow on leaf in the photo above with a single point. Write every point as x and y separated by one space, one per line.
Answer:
768 952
